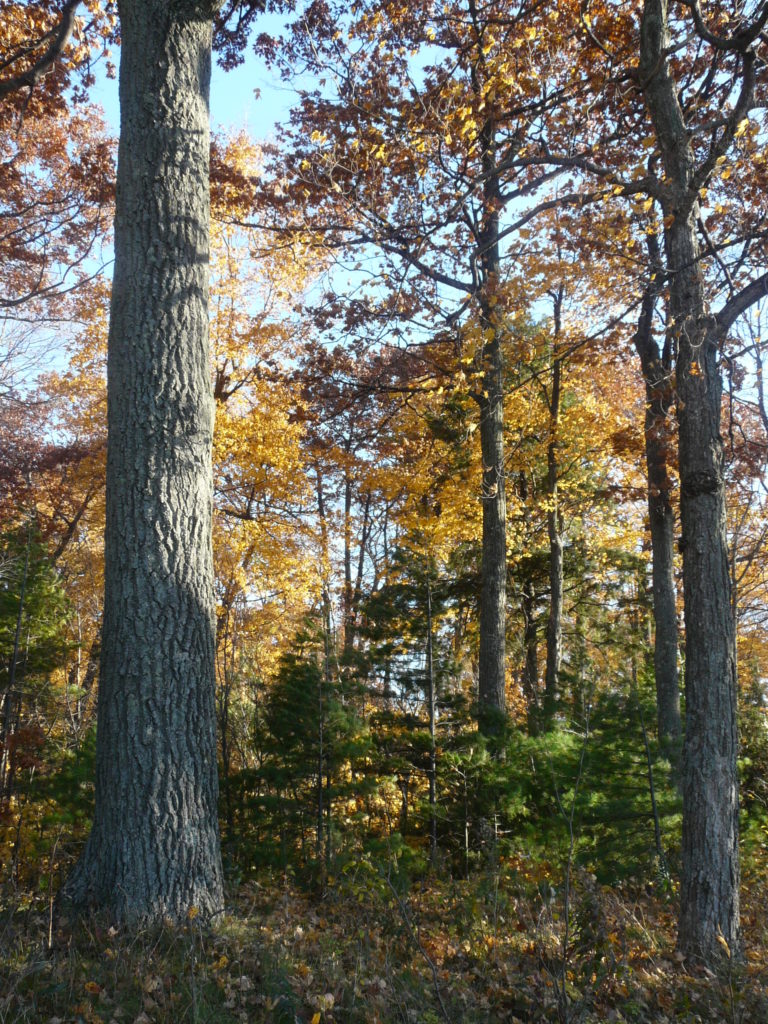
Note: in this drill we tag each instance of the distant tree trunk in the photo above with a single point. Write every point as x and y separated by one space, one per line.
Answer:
320 769
11 702
493 586
226 649
403 782
153 852
432 702
84 682
349 615
530 680
657 373
710 856
353 591
555 621
530 673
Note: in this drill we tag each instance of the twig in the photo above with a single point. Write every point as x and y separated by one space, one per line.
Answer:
560 983
418 944
51 900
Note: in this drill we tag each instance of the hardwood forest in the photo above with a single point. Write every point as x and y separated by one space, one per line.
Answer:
383 514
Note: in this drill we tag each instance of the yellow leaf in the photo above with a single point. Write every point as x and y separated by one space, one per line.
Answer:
316 1018
721 939
93 987
192 913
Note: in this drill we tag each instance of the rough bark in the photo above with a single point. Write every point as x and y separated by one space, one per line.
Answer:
555 620
661 517
710 860
657 374
153 852
493 586
710 883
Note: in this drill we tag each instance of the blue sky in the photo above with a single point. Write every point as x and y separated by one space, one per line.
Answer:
235 104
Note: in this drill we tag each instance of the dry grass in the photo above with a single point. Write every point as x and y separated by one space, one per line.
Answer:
485 951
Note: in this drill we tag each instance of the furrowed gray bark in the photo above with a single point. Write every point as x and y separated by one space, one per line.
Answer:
555 620
153 852
493 593
662 526
493 586
710 855
657 374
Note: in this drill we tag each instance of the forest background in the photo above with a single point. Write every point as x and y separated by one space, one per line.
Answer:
443 339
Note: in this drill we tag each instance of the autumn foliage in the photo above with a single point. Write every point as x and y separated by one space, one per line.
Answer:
453 365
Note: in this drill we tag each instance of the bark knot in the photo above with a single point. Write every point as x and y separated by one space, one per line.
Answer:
703 482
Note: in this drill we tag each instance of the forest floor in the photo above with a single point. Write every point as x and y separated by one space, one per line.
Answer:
360 951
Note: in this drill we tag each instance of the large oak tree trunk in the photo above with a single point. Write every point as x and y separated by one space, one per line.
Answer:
710 882
153 852
710 869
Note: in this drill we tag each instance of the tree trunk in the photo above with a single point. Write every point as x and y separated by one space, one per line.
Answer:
11 706
710 850
432 707
661 517
710 856
153 852
555 621
226 651
493 586
657 374
349 616
529 677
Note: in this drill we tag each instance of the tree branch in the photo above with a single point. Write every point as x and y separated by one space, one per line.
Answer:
740 303
60 38
740 41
